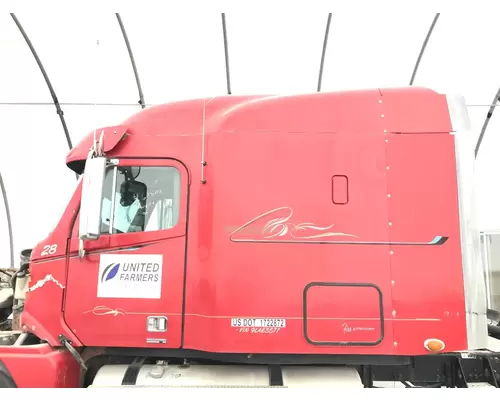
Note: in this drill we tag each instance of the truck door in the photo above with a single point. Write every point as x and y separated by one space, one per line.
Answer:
127 290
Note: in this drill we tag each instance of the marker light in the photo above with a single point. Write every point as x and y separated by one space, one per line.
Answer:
434 345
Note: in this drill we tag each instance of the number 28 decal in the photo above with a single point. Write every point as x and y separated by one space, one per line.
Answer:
49 249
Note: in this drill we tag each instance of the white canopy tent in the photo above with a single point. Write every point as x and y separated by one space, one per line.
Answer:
181 56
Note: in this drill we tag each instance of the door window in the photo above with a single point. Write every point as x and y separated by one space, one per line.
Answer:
140 199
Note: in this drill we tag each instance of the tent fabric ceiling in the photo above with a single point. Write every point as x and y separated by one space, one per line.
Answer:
181 56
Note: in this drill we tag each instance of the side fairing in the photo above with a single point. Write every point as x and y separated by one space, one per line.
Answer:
472 262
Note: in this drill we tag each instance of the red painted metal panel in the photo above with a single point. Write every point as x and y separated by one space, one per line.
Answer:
427 289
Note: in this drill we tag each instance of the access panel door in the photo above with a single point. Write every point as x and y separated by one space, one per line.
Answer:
127 291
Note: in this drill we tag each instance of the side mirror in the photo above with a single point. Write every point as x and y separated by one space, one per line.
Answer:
92 191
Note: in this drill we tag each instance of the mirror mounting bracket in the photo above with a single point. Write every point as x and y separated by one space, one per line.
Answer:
81 250
92 190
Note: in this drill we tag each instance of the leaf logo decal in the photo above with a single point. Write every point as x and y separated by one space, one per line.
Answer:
110 272
113 272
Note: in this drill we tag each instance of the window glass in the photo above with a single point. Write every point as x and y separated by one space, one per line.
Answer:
140 199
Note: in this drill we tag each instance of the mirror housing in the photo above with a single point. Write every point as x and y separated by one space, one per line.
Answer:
90 205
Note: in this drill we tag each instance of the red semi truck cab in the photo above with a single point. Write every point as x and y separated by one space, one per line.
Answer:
326 227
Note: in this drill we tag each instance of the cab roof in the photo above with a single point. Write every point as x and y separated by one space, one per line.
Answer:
396 110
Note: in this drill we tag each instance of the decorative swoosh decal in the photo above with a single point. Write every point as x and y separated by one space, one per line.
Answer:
282 230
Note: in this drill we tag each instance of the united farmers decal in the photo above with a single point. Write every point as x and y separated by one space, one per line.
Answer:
136 276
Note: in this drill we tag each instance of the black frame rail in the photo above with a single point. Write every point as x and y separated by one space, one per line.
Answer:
323 52
226 53
452 370
46 77
9 220
422 49
486 122
132 60
432 371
